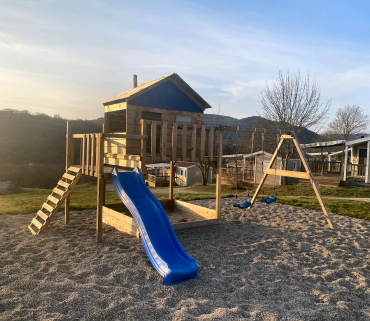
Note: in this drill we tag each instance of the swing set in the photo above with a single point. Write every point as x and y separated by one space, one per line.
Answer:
307 174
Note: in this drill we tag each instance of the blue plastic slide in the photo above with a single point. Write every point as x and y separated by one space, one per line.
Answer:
159 239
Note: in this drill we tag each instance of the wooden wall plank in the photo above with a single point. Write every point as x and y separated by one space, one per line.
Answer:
174 142
92 139
153 139
211 143
183 145
164 141
202 142
83 154
193 143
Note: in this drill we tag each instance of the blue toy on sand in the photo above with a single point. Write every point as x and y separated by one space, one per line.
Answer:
269 200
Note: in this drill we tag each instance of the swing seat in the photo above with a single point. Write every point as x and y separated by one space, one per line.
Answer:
269 200
243 205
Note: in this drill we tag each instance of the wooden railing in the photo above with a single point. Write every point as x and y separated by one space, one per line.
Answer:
172 141
92 151
356 170
159 178
329 167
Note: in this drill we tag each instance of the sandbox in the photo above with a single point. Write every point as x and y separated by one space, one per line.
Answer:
118 216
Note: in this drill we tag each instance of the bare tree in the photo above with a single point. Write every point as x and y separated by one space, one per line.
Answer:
293 103
349 122
204 169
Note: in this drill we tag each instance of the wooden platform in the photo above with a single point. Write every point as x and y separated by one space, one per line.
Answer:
118 216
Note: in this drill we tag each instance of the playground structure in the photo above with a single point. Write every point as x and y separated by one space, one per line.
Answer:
157 121
197 143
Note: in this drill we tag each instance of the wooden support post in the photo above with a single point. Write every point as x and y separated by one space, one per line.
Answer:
87 154
211 143
183 145
174 142
313 182
172 182
344 161
68 164
154 140
164 142
202 142
101 187
92 160
143 148
193 143
83 162
219 172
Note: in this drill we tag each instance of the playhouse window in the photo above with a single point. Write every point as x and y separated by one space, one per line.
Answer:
182 172
115 121
180 119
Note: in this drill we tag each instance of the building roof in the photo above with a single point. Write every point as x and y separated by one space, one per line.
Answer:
158 165
245 155
324 144
358 141
146 86
185 164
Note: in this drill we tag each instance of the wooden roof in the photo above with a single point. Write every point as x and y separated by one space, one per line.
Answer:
146 86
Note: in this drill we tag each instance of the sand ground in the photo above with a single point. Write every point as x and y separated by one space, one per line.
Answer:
275 262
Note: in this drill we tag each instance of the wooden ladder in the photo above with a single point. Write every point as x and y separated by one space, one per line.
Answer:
55 200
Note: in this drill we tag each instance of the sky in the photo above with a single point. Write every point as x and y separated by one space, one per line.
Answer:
68 57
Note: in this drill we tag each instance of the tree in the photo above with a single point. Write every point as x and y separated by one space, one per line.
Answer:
292 104
349 122
204 169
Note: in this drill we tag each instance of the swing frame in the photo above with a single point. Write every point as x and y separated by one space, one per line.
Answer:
304 175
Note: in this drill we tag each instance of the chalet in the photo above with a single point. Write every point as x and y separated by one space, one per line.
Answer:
168 99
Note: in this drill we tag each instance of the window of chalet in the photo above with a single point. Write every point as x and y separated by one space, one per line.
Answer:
115 121
152 116
180 119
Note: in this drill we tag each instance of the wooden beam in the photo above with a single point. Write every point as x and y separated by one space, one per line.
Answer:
92 160
68 163
164 142
172 182
211 143
101 187
174 142
143 148
313 182
219 173
183 145
153 140
193 143
87 154
202 142
280 172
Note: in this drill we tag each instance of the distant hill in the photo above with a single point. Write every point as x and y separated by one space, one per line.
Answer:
37 138
306 135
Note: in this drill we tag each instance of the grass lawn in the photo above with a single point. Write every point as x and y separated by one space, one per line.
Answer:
29 200
347 208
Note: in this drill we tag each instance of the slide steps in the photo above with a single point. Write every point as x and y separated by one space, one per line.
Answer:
55 200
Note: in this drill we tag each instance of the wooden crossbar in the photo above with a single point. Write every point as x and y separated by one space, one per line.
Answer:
280 172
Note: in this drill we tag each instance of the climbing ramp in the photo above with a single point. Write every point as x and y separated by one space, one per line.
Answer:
55 200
